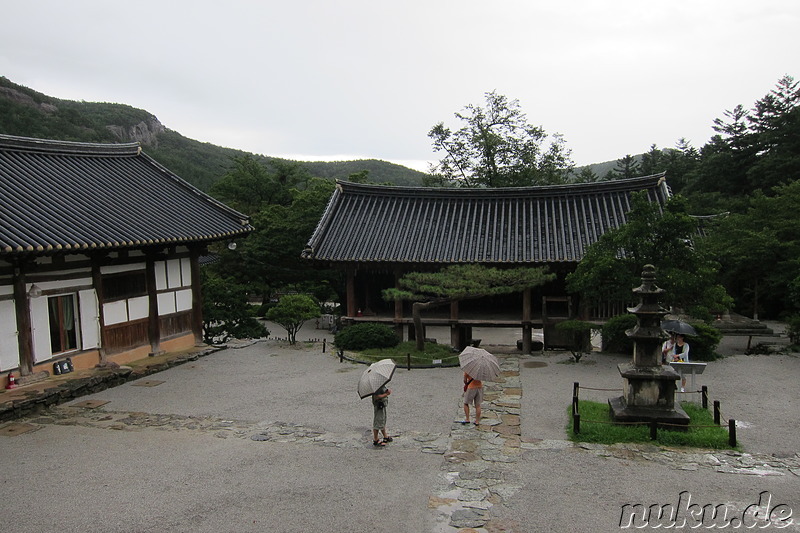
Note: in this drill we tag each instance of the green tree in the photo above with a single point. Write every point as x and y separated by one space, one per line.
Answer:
612 266
226 313
627 167
291 313
586 175
250 186
775 123
653 161
460 282
496 147
759 250
270 258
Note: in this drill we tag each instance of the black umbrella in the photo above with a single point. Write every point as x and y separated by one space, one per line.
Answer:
678 326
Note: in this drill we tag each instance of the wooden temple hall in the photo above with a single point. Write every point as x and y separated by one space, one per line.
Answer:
375 234
99 255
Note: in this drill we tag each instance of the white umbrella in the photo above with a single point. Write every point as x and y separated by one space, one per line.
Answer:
376 376
479 363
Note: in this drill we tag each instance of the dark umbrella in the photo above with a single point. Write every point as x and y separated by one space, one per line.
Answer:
678 326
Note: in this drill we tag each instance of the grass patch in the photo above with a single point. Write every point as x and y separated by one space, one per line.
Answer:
400 353
696 436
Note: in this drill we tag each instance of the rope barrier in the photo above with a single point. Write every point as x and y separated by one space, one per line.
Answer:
719 421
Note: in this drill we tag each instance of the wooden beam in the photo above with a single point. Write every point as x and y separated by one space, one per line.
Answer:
350 291
22 307
97 281
197 295
153 324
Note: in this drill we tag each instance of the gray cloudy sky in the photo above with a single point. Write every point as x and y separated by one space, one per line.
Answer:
354 79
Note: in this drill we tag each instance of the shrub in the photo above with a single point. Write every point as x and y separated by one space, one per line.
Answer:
702 345
365 335
614 337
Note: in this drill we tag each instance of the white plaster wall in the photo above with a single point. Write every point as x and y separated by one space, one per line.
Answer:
174 273
115 312
9 347
183 300
161 275
116 269
166 303
186 271
138 307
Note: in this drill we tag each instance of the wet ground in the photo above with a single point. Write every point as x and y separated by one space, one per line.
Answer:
265 436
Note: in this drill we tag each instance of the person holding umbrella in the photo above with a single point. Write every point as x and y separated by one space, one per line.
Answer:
380 401
473 394
478 366
373 383
680 352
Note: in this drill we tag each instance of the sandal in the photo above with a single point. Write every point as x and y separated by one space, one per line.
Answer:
388 439
378 443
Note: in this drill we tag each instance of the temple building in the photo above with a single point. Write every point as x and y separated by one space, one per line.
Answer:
99 248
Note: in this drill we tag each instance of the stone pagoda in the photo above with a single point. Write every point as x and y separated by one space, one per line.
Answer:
649 388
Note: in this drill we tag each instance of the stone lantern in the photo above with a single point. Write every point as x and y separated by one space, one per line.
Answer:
649 387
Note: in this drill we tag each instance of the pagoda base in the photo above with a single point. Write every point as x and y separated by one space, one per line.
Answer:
621 412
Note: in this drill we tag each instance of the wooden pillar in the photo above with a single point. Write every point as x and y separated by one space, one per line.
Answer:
398 306
527 341
97 281
350 291
456 334
153 323
197 295
22 308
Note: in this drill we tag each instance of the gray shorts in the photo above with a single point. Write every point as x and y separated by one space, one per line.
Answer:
379 418
474 396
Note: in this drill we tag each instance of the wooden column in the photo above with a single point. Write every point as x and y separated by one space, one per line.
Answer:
97 281
456 334
153 324
197 295
398 306
22 307
350 290
527 341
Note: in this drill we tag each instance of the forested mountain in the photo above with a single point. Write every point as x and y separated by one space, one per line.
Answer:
28 113
743 185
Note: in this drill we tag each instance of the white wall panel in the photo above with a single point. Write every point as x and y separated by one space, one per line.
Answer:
115 312
174 273
161 275
138 308
183 300
9 346
186 271
166 303
89 322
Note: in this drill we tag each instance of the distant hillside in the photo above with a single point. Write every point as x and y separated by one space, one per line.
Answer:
29 113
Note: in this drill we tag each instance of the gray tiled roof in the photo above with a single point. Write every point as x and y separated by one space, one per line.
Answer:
58 195
379 224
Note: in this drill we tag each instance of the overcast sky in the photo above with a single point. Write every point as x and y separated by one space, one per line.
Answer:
351 79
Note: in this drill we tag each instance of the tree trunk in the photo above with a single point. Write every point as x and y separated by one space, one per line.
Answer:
419 330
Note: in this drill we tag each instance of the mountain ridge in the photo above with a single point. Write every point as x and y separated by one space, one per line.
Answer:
28 113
